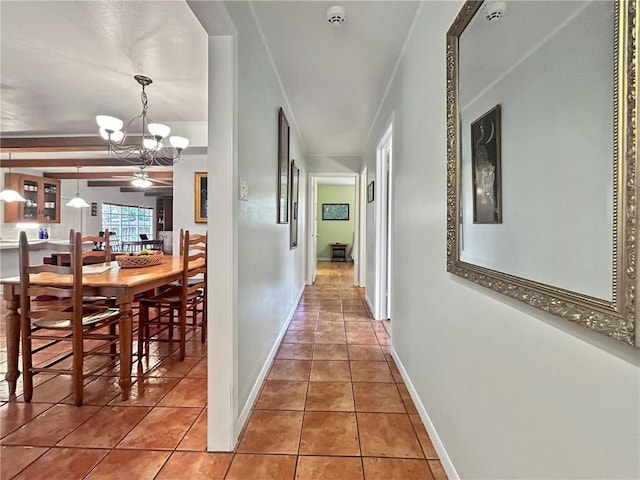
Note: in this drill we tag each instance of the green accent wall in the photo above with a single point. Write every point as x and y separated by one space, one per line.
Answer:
335 231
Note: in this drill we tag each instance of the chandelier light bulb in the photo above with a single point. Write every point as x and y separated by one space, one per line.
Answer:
180 143
110 124
151 144
141 182
158 130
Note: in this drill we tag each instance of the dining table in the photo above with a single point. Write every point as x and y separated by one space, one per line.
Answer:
124 284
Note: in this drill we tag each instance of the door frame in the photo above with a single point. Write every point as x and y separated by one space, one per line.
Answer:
383 223
312 197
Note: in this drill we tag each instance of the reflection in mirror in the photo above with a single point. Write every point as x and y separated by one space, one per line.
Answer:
554 84
540 148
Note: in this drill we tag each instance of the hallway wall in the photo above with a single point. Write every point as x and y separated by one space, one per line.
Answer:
270 275
511 391
335 231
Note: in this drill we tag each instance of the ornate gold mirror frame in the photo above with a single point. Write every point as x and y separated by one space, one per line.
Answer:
616 318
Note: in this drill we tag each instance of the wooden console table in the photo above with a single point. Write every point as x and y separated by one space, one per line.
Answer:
339 252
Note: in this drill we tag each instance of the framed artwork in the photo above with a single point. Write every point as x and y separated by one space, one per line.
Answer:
370 190
283 168
335 211
485 165
295 187
200 189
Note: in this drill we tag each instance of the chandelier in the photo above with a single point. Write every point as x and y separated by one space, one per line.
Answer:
152 148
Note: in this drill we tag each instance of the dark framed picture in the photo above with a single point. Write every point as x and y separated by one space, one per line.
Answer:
486 168
283 167
295 187
370 191
200 188
335 211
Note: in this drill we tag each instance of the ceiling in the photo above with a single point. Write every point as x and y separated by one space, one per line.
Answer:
63 62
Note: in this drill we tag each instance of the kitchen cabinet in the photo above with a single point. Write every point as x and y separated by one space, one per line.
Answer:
42 195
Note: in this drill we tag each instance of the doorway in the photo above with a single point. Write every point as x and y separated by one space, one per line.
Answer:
384 162
324 232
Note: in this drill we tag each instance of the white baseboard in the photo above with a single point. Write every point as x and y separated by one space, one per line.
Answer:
446 462
324 259
244 413
369 304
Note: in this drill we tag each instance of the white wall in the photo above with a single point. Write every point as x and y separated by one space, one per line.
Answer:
511 391
333 163
270 275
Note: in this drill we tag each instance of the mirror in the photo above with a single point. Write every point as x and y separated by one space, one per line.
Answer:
541 126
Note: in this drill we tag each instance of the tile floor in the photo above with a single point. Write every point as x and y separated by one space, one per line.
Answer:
333 406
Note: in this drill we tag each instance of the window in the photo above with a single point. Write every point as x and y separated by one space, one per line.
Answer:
127 221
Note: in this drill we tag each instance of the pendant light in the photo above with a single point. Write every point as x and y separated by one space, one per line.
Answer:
10 195
77 202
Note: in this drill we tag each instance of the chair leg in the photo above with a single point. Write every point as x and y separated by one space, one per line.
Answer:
78 363
182 325
143 319
27 362
171 318
112 348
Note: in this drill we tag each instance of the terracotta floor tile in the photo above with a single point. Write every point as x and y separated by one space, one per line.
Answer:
147 391
298 336
302 325
200 370
295 351
189 392
329 433
271 432
263 467
388 435
437 470
63 464
141 465
106 428
295 370
358 327
330 351
330 397
330 371
173 367
282 395
330 317
162 428
326 326
371 372
370 353
377 397
406 398
53 390
396 469
329 468
325 336
196 437
305 316
51 426
14 414
307 308
15 459
423 437
362 338
333 308
195 466
383 338
99 391
356 317
397 377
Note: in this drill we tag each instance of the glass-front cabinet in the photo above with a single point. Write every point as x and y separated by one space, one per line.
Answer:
42 196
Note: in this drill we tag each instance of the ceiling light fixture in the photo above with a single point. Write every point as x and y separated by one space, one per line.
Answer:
151 149
141 179
10 195
77 202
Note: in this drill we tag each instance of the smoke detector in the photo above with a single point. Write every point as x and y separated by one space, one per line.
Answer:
336 15
493 11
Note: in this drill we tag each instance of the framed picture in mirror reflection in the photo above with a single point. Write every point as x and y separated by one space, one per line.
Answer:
486 168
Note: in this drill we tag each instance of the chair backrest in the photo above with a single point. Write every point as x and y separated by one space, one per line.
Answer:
101 247
69 295
194 266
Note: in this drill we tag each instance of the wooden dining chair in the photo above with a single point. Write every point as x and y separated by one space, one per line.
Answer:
72 337
190 295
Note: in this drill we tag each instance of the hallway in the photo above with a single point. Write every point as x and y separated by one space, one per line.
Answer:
332 407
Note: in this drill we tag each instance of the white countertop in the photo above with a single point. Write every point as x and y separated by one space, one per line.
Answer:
13 244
